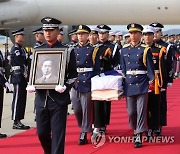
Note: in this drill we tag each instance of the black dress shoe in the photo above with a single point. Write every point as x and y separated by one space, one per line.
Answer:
102 130
3 135
21 126
149 135
138 141
83 139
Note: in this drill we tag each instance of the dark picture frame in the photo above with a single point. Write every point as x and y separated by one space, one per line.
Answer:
48 68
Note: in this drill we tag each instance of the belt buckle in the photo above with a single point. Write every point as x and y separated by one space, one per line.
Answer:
133 72
81 69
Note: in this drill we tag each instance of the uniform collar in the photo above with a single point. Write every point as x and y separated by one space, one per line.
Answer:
52 44
136 45
82 45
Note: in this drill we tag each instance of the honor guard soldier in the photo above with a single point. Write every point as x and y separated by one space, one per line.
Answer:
87 67
3 83
51 104
39 36
60 36
112 37
19 78
119 39
105 65
159 58
138 70
168 76
127 38
74 38
103 39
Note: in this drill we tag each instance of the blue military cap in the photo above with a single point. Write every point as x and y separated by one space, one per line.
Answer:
134 27
103 28
50 23
18 32
38 31
157 26
72 32
83 29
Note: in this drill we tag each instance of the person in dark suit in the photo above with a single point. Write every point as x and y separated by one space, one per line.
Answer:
19 78
51 104
138 70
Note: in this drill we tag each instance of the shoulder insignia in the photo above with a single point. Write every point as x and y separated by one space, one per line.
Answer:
158 45
126 45
17 52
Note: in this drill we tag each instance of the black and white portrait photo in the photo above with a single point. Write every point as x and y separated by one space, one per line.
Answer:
47 69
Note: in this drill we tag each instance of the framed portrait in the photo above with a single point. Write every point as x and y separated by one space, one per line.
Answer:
48 68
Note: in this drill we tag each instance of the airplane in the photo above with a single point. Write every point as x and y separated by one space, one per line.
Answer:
26 13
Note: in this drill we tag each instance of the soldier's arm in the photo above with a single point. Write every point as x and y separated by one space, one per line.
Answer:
71 71
170 64
122 63
16 59
150 65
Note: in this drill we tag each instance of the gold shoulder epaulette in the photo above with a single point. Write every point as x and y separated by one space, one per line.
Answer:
126 45
144 45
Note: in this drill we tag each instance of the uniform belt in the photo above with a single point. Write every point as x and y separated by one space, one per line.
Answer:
135 72
79 70
156 71
14 68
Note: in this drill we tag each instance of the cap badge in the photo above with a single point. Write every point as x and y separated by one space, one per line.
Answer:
48 19
80 27
132 25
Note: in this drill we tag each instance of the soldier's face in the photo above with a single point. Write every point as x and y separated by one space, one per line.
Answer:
135 36
103 36
60 37
74 37
112 37
83 37
93 38
40 37
148 38
47 67
50 35
19 39
157 35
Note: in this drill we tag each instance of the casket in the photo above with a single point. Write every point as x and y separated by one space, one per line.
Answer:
107 86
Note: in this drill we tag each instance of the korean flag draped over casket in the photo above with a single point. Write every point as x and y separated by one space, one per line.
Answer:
107 86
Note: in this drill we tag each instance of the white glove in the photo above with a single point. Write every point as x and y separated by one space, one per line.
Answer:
8 86
30 89
169 84
60 88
